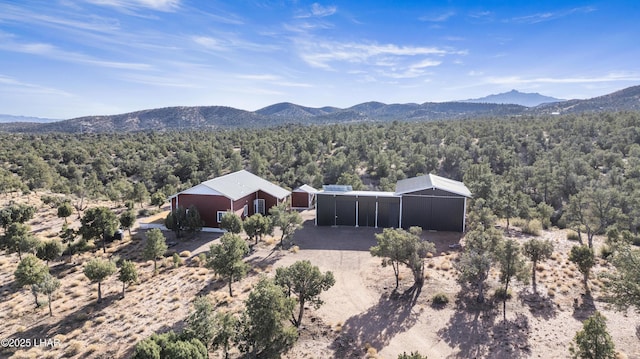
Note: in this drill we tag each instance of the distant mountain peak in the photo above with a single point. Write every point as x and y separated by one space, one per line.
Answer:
516 97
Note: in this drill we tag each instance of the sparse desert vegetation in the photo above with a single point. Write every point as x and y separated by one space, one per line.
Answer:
551 241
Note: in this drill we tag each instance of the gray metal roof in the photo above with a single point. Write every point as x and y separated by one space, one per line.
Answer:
432 181
237 185
306 188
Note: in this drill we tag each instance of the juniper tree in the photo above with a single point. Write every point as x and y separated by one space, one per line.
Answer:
537 250
155 247
30 272
306 282
226 258
97 270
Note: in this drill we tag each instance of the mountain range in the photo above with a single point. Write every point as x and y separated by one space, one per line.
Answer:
221 117
517 98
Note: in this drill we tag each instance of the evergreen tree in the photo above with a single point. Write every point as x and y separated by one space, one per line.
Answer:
155 247
306 282
537 250
226 258
31 271
593 341
97 270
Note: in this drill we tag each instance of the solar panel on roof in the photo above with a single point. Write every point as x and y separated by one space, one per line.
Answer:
336 188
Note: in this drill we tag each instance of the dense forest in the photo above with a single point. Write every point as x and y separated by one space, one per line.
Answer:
532 160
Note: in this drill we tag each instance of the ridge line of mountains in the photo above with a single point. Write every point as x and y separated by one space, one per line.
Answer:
223 117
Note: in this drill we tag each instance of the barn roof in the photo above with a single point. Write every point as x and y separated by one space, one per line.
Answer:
306 188
237 185
432 181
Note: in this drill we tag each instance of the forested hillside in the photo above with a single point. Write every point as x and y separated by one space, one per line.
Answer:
546 159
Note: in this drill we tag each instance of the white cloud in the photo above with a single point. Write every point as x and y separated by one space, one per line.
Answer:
441 17
52 52
317 10
322 11
389 60
11 85
547 16
159 5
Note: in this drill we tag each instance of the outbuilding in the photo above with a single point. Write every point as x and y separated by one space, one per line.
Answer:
431 202
240 192
303 197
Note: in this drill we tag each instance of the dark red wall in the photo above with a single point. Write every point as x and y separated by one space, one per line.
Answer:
300 199
207 205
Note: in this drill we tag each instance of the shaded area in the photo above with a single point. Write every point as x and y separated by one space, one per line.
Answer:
347 238
390 316
469 327
338 238
539 306
583 307
475 332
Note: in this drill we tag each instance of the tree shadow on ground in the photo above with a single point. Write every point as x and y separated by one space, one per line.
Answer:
584 306
539 306
475 331
470 327
392 315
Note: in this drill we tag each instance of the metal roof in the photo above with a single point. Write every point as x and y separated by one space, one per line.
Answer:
306 188
237 185
432 181
358 193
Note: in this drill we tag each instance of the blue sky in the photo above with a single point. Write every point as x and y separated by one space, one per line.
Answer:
70 58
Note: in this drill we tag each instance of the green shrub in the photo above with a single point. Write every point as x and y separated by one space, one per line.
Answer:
533 227
605 251
440 299
177 261
518 222
501 294
573 236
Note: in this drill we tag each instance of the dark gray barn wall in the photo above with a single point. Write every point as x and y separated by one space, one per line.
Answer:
345 210
447 214
325 210
367 211
433 213
416 211
388 212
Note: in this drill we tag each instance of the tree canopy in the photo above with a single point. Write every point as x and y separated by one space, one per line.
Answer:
397 246
306 282
226 258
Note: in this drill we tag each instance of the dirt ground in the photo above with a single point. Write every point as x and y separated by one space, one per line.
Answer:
362 316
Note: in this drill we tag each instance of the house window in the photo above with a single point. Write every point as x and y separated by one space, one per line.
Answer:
245 212
219 215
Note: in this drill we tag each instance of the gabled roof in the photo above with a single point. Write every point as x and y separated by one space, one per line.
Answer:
306 188
432 181
237 185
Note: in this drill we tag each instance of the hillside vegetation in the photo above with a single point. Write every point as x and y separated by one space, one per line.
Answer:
579 173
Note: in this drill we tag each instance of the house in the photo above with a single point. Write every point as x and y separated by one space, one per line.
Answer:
303 197
431 202
241 192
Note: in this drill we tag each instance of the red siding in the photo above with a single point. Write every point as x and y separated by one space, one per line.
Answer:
300 199
269 200
207 205
238 206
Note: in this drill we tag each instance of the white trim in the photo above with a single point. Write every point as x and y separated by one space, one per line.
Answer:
357 219
219 215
